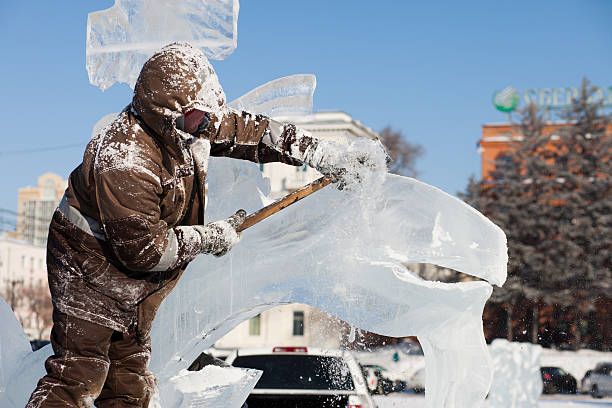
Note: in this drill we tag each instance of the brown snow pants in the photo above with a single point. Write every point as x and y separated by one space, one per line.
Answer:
93 364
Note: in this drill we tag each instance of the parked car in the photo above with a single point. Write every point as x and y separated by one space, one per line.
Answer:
378 381
557 381
585 383
417 381
38 344
599 380
304 377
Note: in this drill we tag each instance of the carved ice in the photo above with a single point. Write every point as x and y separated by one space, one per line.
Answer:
121 38
287 96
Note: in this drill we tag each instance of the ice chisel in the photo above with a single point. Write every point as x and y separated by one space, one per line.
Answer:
284 202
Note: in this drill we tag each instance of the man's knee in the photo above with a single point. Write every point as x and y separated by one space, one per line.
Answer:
70 382
77 370
128 383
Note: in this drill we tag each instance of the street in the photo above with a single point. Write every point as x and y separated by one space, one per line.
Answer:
554 401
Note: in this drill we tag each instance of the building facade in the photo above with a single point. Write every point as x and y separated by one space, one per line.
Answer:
24 285
288 325
298 324
35 206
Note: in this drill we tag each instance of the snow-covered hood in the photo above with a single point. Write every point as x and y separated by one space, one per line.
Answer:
173 81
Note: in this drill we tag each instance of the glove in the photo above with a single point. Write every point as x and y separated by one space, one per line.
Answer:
344 164
220 236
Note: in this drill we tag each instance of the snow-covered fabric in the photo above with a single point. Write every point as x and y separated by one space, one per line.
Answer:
92 363
220 236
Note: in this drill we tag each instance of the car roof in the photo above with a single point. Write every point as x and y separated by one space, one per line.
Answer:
311 351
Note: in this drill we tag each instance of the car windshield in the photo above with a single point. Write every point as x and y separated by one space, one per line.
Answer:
304 372
555 371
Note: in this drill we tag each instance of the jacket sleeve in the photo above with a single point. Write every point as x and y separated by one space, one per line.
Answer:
128 194
243 135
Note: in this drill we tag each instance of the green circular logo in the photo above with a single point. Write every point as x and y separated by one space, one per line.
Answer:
506 100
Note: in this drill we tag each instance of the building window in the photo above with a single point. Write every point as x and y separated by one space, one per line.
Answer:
298 323
255 325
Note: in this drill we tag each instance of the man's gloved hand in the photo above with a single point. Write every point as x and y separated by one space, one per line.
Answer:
220 236
341 164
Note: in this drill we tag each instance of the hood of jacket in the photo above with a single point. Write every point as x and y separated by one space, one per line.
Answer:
175 80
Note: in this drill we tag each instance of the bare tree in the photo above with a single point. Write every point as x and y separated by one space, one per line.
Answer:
37 301
11 292
403 153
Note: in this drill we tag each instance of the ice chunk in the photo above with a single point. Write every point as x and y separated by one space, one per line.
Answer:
20 368
14 345
211 387
287 96
121 38
343 252
517 382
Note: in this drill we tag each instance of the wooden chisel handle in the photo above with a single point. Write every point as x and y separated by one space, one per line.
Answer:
284 202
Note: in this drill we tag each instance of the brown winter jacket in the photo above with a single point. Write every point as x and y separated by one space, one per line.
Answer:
120 238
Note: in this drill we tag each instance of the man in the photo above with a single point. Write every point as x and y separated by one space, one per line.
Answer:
132 218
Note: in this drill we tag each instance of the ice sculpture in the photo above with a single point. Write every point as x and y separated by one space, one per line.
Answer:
517 382
121 38
343 252
287 96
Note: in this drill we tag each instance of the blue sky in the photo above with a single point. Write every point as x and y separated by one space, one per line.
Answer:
427 68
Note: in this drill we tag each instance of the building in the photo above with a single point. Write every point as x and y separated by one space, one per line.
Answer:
288 325
35 206
498 138
298 324
24 286
23 268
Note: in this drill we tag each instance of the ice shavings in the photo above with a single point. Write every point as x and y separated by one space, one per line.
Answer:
330 251
121 38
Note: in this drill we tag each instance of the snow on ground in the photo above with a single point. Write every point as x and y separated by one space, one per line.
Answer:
418 401
574 362
409 361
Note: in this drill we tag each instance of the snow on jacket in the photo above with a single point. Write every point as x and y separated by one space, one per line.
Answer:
121 236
